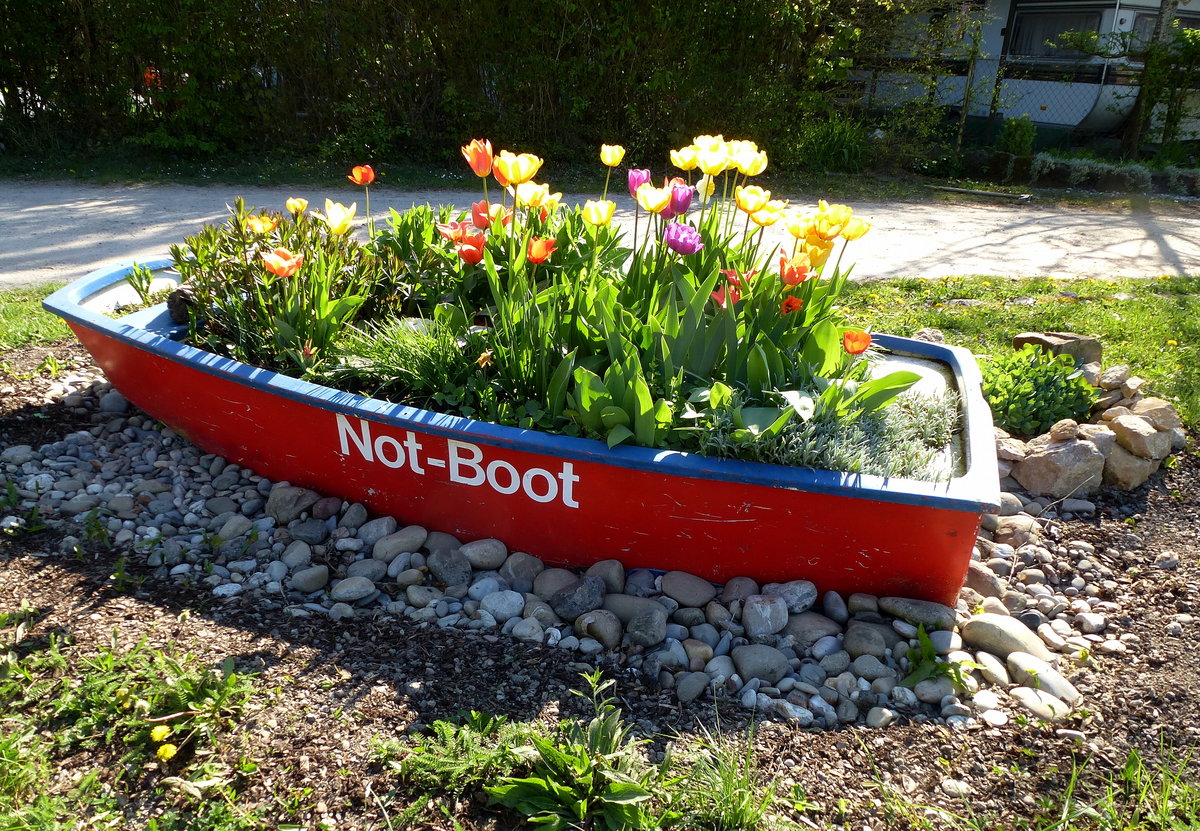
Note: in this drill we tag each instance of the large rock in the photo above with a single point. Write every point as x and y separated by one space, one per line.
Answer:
351 589
983 580
1100 435
1002 636
807 628
1158 412
764 614
485 555
758 660
1083 348
1126 471
571 602
449 567
1017 530
626 606
1034 672
1061 469
286 502
1041 703
1139 437
799 595
520 570
406 540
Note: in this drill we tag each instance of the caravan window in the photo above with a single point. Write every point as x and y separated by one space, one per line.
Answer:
1034 31
1143 28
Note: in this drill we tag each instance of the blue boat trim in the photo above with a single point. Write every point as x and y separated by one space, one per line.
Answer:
976 491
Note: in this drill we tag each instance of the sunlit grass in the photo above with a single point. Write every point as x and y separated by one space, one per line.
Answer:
24 323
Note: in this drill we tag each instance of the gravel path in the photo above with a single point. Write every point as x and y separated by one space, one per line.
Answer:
58 231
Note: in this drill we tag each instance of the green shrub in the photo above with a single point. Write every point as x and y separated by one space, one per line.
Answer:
1031 389
1016 136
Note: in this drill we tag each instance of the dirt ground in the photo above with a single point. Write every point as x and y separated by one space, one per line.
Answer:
58 231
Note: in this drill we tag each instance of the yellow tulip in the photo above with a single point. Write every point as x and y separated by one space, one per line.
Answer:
597 212
653 199
751 198
337 217
712 162
552 200
710 143
752 164
296 205
817 250
705 186
769 214
799 225
741 153
684 158
612 154
855 227
532 194
516 170
830 219
260 224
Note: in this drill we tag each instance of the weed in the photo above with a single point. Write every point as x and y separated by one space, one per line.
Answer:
51 366
722 789
458 757
926 663
140 279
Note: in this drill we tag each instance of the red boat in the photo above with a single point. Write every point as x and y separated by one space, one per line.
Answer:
569 501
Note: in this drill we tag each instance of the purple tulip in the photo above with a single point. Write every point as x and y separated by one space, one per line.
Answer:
637 178
682 239
681 199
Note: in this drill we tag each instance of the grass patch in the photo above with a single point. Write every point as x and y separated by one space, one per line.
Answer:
1152 325
23 322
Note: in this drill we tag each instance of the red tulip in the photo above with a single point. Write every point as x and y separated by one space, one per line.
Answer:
726 296
856 342
362 175
454 231
471 248
540 249
793 271
792 304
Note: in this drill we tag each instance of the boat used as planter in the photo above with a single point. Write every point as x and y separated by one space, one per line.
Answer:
567 500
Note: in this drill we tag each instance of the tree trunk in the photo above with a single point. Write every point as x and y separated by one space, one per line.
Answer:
1149 91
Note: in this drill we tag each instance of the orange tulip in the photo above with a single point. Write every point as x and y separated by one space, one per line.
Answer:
479 156
792 304
471 248
793 271
362 175
483 215
283 263
540 249
261 224
856 342
454 231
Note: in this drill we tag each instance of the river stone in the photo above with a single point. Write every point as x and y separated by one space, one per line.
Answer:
758 660
626 607
871 668
764 614
373 531
286 502
834 607
529 629
449 567
485 555
520 570
1069 468
326 506
297 554
572 601
1029 671
503 605
422 596
1041 704
371 569
1002 636
687 589
612 572
356 516
601 625
79 504
738 588
19 454
933 690
553 580
310 579
648 626
863 640
313 531
983 580
1126 471
992 669
351 589
918 612
691 686
535 607
807 628
406 540
799 595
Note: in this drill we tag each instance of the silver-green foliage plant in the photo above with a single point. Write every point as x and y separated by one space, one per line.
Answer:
1030 389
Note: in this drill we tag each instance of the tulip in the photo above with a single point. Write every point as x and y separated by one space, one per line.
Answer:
454 231
712 143
637 178
854 228
283 263
471 248
792 304
799 225
738 279
681 199
712 162
540 249
751 198
652 199
510 169
296 206
769 214
705 186
598 212
752 164
612 154
260 224
485 358
683 239
831 219
362 175
684 158
551 203
726 296
855 342
531 194
817 250
479 156
793 271
483 216
337 216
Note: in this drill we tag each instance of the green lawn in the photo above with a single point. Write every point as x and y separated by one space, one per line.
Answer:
22 321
